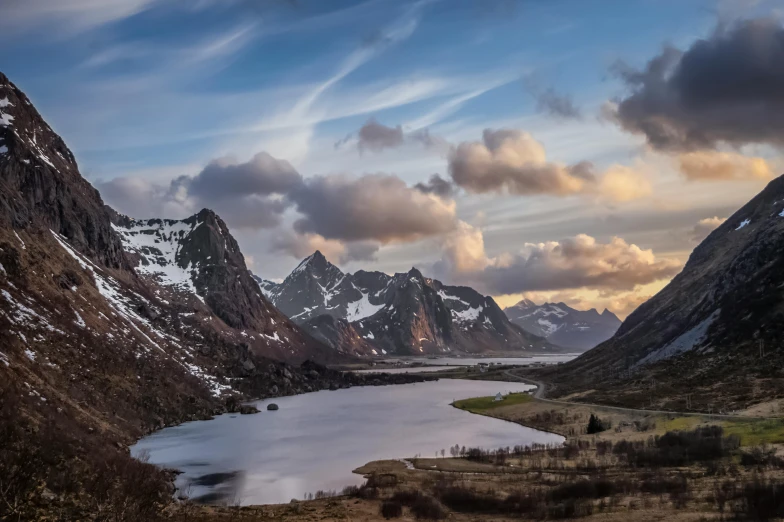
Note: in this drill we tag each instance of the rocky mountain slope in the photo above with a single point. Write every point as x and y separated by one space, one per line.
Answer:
404 314
711 338
111 327
563 325
197 261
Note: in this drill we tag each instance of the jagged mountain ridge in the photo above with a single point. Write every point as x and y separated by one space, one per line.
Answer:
707 330
196 260
563 325
406 313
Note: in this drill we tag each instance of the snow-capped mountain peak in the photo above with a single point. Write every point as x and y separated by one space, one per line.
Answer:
403 313
564 325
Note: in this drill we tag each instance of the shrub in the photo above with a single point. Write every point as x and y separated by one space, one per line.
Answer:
762 500
467 500
391 509
407 497
678 448
428 508
761 457
585 489
595 425
351 491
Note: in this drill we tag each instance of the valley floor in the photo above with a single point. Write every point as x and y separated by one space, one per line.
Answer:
644 466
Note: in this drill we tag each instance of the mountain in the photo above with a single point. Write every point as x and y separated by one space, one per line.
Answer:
711 338
404 314
564 326
112 327
196 262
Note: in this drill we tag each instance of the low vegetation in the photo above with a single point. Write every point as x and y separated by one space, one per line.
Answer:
483 404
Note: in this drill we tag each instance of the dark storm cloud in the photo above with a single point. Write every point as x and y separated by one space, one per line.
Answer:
728 88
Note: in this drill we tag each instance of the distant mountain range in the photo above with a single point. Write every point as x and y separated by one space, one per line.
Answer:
564 326
404 314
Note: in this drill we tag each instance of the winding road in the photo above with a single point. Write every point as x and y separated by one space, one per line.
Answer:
541 389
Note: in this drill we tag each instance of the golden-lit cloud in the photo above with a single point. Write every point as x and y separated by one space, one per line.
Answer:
572 263
621 183
709 165
513 162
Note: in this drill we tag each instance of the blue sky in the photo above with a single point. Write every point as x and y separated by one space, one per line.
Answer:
149 90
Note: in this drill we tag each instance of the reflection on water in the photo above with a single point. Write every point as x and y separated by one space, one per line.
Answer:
315 440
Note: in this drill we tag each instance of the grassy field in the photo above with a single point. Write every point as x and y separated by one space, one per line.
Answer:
484 404
756 432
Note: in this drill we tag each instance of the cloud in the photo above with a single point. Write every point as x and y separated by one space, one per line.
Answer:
71 14
705 227
436 185
577 262
377 137
464 249
708 165
136 197
379 207
513 162
302 245
249 195
260 176
620 183
557 105
725 89
168 59
256 194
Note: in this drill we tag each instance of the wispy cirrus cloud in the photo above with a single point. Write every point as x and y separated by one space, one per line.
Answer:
68 15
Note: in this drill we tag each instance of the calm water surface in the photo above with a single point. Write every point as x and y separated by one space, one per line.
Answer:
315 440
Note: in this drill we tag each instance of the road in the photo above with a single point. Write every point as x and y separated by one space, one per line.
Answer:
541 388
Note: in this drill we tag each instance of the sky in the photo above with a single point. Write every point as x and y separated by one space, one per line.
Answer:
559 150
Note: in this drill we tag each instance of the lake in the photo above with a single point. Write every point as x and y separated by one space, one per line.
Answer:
316 439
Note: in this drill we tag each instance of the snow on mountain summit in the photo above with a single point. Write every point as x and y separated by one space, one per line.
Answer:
406 313
564 325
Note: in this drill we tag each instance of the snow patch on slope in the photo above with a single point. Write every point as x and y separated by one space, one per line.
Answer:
158 242
471 314
362 308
